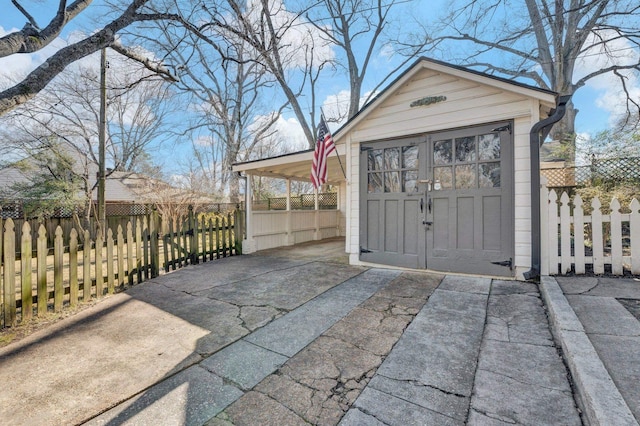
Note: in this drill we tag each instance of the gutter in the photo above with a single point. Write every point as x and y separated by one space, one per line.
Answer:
537 135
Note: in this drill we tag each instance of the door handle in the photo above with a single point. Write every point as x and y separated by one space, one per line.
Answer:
421 205
429 205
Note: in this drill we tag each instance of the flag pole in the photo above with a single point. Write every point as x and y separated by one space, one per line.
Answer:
336 150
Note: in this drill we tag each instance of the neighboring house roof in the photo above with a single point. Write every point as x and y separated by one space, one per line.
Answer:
8 177
123 187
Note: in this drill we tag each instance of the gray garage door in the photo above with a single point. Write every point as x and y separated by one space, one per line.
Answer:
441 201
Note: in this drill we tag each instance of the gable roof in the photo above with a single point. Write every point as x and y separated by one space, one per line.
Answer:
543 95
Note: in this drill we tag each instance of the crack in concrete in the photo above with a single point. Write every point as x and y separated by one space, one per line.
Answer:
590 288
496 416
417 383
370 414
524 382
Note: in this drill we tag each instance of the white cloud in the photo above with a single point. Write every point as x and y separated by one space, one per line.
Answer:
337 105
15 67
616 51
298 37
291 134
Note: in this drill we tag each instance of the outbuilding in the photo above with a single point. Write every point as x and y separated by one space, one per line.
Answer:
439 176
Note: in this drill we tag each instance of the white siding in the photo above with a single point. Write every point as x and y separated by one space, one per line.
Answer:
280 228
467 103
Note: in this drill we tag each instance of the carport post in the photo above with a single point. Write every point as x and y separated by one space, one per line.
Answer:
289 237
316 216
247 244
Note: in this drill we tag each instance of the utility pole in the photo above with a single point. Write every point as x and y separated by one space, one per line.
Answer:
102 131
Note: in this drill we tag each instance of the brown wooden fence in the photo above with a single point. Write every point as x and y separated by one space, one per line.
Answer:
40 278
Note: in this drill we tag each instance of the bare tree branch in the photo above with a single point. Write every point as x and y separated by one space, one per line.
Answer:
42 75
30 39
154 66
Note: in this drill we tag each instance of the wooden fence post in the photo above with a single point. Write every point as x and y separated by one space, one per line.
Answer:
553 232
154 228
73 267
596 236
110 270
544 227
120 244
86 266
616 237
43 251
9 246
578 235
130 252
25 264
565 234
237 230
138 251
99 270
193 239
2 301
634 226
58 288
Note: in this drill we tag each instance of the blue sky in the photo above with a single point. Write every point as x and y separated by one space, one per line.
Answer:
596 101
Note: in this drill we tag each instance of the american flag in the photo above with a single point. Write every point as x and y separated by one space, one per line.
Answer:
324 147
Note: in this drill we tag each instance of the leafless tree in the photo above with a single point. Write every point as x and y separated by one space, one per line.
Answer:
225 94
138 114
31 38
277 40
357 28
543 41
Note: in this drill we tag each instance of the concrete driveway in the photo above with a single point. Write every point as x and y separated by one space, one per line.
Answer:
295 336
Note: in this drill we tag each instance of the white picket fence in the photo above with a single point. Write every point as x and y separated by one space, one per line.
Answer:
577 240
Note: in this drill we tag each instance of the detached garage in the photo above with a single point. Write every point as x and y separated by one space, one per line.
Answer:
439 173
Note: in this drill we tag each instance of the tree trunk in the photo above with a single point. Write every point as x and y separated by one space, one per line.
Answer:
564 129
234 188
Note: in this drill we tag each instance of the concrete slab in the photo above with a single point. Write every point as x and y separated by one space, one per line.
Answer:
356 417
509 400
440 347
228 270
391 410
621 357
321 382
244 364
604 315
533 365
288 335
518 318
429 397
601 286
428 376
466 284
191 397
93 360
598 396
274 288
255 408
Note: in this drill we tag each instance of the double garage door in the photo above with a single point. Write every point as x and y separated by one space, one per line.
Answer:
442 201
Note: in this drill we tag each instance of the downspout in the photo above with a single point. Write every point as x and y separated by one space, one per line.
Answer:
537 135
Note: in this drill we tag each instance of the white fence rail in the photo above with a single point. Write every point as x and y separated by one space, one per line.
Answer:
573 241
